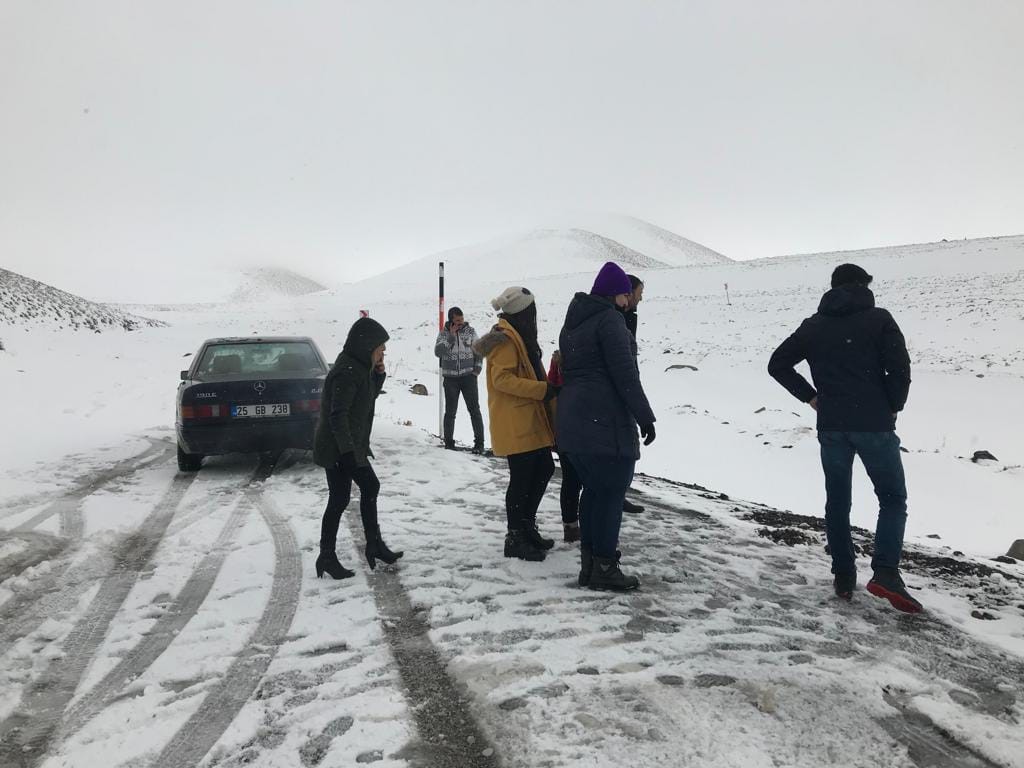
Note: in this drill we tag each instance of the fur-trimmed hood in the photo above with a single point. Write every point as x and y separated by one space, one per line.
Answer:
491 340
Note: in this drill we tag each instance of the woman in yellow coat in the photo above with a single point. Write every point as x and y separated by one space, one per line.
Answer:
522 422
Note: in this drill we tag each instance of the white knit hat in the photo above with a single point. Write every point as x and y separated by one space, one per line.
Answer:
512 300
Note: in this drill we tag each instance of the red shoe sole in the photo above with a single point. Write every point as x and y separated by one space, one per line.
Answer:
897 601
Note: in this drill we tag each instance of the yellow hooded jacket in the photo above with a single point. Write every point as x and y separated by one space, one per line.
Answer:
520 419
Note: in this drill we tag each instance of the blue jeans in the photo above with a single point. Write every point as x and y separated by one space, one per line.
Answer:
605 480
880 454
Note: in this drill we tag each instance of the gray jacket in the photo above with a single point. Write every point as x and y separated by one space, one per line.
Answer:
455 350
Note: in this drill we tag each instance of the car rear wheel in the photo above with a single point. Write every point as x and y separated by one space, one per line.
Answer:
189 462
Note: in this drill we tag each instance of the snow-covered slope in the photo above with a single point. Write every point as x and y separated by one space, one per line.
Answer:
263 283
517 259
152 617
28 302
646 238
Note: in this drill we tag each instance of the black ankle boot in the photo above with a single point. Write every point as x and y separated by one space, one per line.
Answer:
328 563
606 574
586 565
532 535
518 545
376 550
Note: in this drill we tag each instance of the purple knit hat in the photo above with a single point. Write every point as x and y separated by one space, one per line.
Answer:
611 281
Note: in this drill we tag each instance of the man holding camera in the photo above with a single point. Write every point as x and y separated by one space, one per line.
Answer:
460 366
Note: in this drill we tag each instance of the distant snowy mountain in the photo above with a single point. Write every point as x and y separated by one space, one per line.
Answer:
520 258
646 238
260 284
28 302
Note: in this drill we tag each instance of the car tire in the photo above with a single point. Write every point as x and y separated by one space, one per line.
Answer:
189 462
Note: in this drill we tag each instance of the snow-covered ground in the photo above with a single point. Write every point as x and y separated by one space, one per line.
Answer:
151 618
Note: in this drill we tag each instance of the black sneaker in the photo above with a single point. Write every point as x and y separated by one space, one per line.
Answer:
478 449
888 584
516 545
629 506
606 575
844 584
532 535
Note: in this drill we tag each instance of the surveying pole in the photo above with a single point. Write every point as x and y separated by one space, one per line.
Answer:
440 327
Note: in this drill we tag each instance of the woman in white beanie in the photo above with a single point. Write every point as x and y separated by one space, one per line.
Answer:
518 400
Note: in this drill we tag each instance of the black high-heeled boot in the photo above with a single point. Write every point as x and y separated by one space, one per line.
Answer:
376 549
328 563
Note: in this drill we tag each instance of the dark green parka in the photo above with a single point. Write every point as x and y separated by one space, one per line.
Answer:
350 391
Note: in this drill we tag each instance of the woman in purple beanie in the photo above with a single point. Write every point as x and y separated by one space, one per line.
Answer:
600 406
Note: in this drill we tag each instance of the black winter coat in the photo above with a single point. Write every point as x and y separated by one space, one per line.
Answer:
350 393
858 359
632 322
602 400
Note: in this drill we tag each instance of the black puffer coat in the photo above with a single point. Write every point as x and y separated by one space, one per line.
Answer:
602 400
858 359
350 393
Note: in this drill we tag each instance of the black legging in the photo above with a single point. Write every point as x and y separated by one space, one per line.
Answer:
529 474
339 481
572 486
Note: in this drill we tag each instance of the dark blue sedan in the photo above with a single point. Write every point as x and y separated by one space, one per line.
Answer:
249 395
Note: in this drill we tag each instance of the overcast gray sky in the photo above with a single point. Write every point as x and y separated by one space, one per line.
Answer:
343 137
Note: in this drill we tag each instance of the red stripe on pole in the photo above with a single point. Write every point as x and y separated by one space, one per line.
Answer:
440 295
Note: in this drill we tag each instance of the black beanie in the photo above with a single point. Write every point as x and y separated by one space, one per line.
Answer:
850 274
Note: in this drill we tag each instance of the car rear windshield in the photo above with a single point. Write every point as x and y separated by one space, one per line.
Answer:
259 359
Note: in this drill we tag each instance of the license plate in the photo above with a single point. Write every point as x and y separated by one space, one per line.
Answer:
260 411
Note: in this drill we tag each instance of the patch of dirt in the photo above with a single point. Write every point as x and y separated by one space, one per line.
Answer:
986 586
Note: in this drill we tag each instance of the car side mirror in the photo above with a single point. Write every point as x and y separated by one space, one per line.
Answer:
184 375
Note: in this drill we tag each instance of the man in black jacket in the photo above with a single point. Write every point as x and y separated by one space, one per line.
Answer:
861 372
632 324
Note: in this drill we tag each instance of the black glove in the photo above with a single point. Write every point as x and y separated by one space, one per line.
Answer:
347 463
552 392
647 433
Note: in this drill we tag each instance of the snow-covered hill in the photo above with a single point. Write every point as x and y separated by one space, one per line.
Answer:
28 302
643 236
268 283
518 258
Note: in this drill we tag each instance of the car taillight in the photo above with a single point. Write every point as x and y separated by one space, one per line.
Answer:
306 406
203 411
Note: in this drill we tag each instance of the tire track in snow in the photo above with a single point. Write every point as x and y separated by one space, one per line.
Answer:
450 734
162 634
38 547
26 734
68 506
52 592
175 617
225 700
